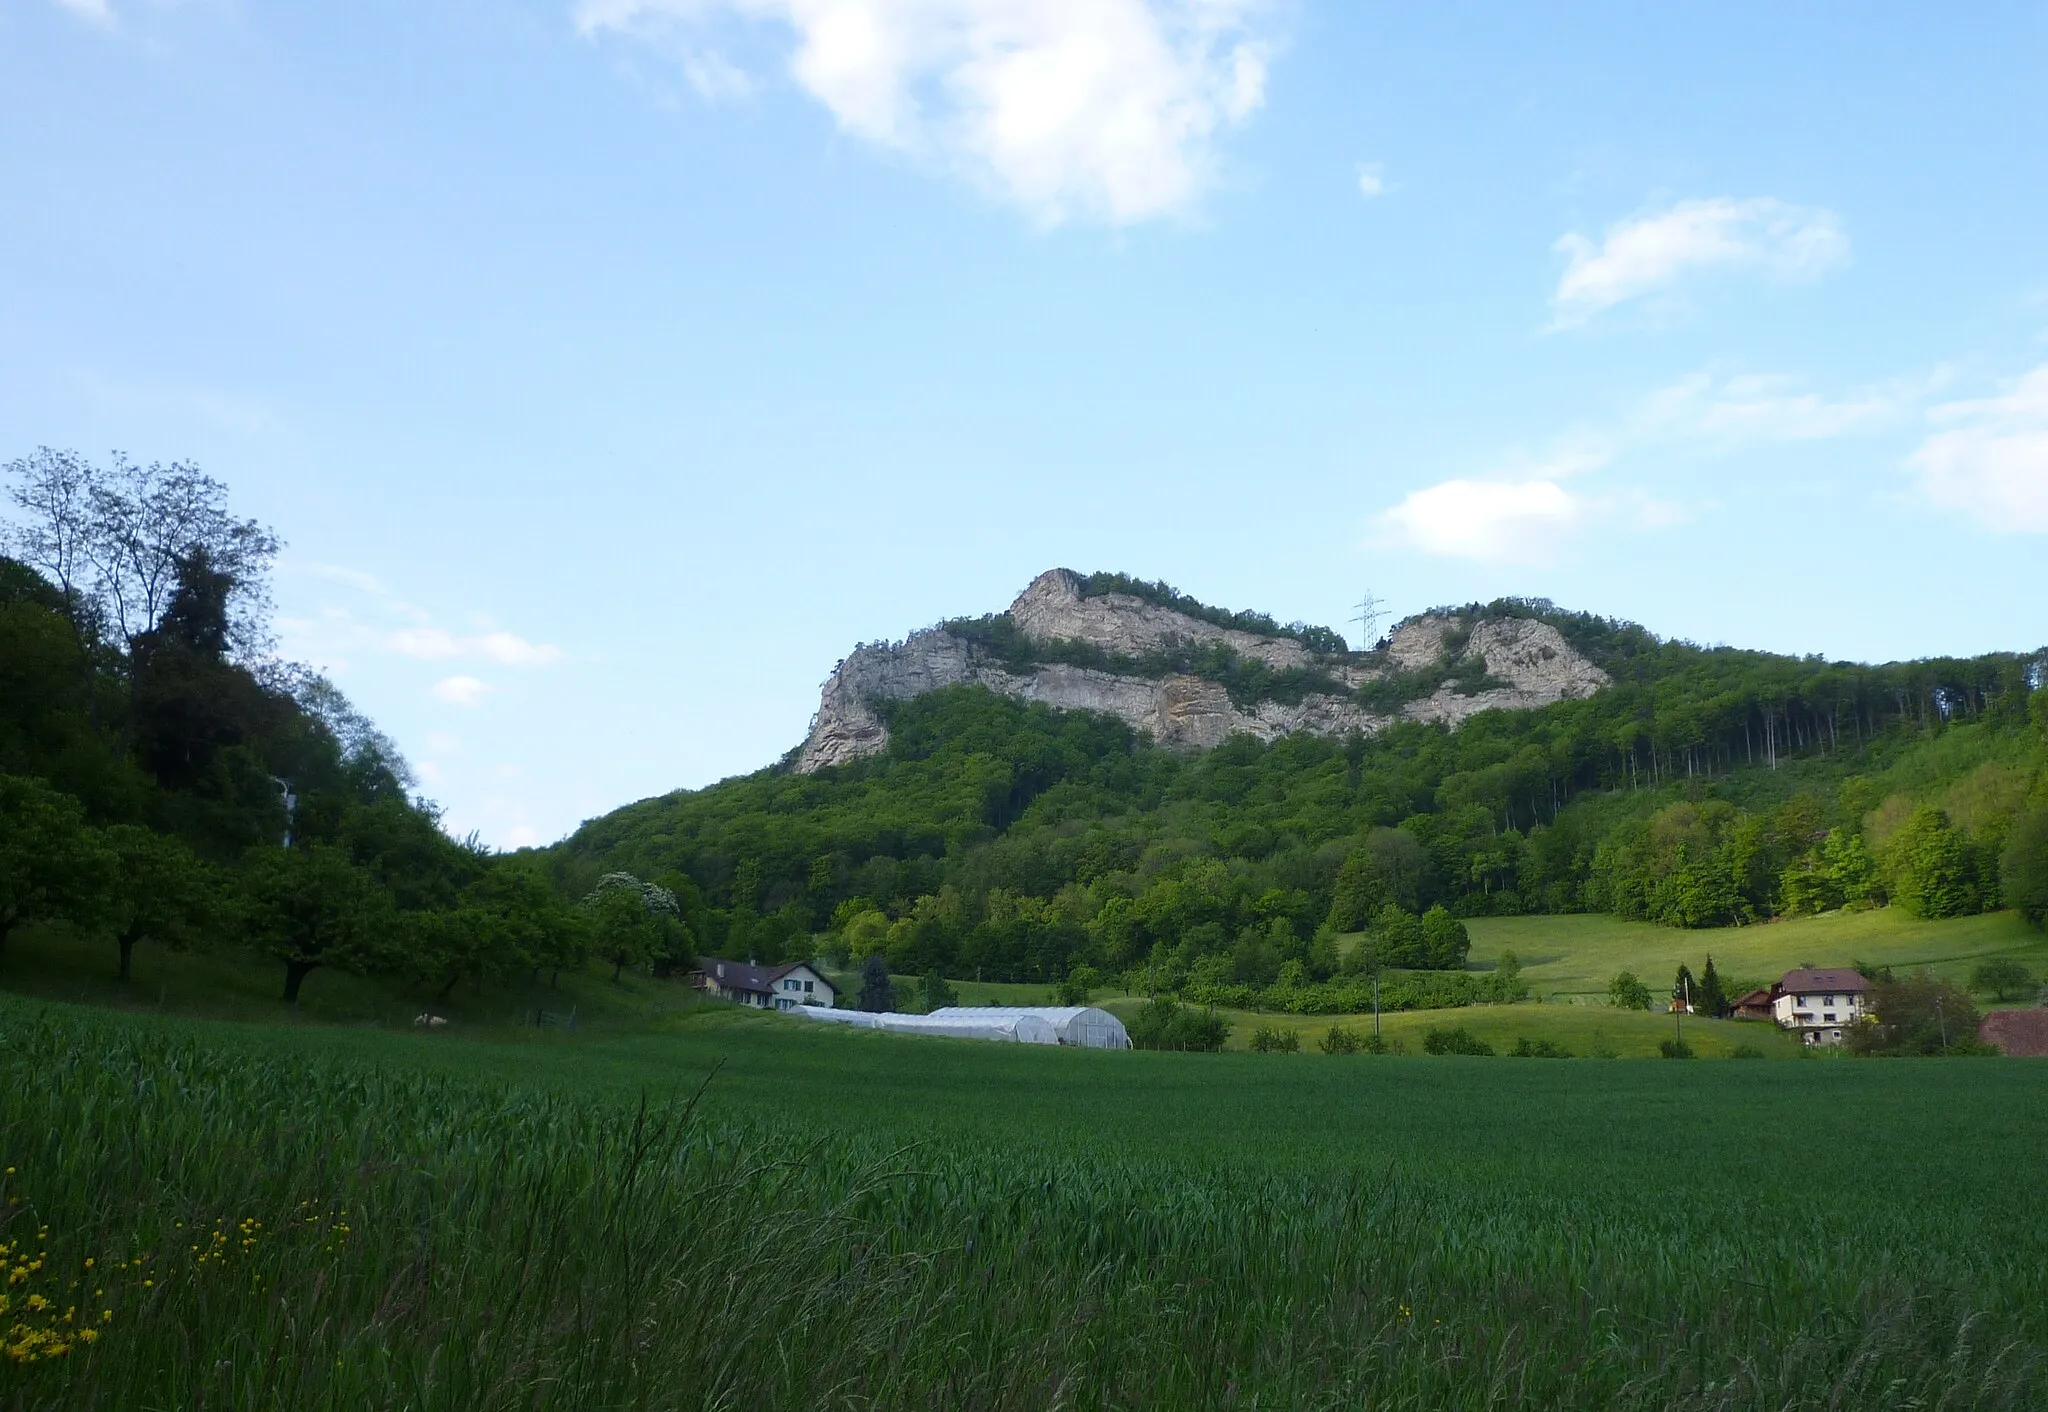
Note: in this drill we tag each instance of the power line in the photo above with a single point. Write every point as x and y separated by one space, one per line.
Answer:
1370 611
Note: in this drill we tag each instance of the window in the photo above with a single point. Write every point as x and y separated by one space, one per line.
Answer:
1829 1017
807 987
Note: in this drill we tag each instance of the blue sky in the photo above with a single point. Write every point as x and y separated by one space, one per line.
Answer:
611 367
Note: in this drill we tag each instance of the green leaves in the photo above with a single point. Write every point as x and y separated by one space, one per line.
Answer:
52 866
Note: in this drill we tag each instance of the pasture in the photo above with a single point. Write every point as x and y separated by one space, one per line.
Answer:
1574 957
847 1219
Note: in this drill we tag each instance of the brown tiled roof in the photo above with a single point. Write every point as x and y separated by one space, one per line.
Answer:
2020 1033
745 975
1806 982
1757 999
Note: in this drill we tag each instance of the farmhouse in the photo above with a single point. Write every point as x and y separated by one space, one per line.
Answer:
1757 1004
1819 1005
782 987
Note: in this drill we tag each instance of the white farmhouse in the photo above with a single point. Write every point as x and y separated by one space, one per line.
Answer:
766 987
1819 1006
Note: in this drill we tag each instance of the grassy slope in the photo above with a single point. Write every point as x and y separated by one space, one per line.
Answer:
1575 956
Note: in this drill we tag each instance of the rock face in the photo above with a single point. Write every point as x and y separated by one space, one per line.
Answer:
1533 661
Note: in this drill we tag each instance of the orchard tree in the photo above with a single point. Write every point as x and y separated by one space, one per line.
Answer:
2006 977
1627 992
160 892
53 866
621 928
310 907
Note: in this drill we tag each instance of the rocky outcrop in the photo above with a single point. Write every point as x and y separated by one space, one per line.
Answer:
1052 607
1533 663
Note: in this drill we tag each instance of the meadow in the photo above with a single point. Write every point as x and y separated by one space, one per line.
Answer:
737 1210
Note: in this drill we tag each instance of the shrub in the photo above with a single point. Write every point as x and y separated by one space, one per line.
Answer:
1339 1041
1456 1040
1526 1048
1166 1024
1272 1039
1746 1051
1675 1049
1918 1015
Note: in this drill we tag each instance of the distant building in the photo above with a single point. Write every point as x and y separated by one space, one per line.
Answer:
1819 1006
1757 1004
1080 1026
782 987
2022 1034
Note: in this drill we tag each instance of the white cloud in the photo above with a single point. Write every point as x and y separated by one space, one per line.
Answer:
1522 511
459 691
1372 181
431 644
96 11
1993 462
715 78
1753 407
1650 251
1102 110
1492 521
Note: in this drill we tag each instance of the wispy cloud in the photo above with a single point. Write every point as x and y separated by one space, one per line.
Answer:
430 644
1528 506
459 691
1992 461
1095 110
1749 407
1372 181
98 12
1650 252
379 621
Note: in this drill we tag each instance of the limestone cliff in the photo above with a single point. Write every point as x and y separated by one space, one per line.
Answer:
1528 664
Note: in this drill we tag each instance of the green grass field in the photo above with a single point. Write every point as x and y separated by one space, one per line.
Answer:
1574 957
438 1220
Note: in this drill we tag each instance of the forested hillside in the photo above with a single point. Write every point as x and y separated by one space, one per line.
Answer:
165 781
1705 788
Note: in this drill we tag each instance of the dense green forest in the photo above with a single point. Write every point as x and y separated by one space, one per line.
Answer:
166 781
1705 788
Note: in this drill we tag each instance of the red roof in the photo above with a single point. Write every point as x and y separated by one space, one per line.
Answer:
2020 1033
1806 982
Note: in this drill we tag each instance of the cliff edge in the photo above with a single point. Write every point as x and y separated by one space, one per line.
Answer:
1116 652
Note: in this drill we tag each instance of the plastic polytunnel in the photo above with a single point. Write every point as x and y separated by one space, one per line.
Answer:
1082 1026
969 1024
